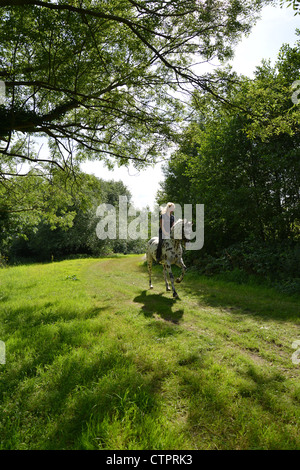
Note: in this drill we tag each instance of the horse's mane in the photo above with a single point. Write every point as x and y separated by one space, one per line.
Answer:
179 221
177 225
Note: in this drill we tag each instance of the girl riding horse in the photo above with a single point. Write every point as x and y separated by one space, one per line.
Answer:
166 222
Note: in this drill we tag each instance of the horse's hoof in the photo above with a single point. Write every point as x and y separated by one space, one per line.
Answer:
175 295
168 289
178 280
151 287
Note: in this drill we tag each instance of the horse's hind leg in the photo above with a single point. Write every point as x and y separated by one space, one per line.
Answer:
166 279
149 263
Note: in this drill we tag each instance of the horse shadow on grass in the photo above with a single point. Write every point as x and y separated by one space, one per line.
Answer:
157 304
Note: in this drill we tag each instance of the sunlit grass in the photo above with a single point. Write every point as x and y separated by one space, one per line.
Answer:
96 361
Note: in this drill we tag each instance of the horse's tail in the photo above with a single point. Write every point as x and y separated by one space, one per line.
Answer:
151 248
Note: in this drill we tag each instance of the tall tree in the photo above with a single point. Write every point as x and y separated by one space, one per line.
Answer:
244 166
42 242
97 77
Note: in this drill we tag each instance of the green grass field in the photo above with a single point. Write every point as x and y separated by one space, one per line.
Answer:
94 360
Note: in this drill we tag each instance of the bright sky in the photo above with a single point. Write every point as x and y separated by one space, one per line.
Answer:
276 27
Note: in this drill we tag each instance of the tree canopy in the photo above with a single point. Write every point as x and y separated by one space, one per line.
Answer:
295 4
98 77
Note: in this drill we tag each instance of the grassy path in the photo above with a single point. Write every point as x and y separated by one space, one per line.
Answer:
94 360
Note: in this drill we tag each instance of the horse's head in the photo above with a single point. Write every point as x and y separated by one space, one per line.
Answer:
188 230
182 230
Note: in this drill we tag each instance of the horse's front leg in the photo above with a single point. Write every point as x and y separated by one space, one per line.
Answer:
183 270
166 279
172 280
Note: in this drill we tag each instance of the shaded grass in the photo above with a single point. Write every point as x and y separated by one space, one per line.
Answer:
94 361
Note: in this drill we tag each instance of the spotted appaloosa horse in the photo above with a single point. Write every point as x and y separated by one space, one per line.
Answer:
171 252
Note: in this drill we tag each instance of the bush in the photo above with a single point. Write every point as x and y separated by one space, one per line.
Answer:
3 261
276 263
289 287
